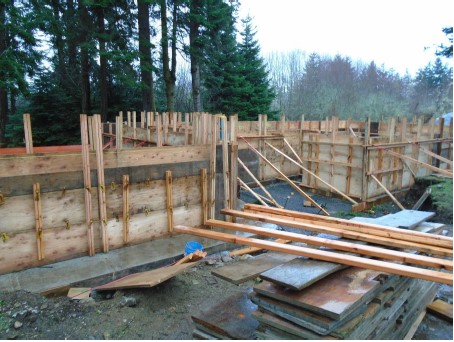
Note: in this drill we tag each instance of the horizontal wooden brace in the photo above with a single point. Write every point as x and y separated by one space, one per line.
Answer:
392 242
340 245
368 228
378 265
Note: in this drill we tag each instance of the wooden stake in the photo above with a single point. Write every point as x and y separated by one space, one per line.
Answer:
212 199
233 161
388 192
286 178
38 220
97 134
158 130
169 201
126 214
204 191
225 162
119 133
28 134
382 266
87 182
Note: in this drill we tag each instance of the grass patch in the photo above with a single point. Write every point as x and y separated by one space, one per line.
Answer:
442 193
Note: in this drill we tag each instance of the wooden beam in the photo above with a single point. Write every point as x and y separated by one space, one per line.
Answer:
119 132
427 166
434 155
252 192
212 180
169 201
388 192
225 162
346 233
126 214
442 309
339 245
249 250
311 173
97 135
28 133
361 227
422 199
259 184
38 220
87 182
204 193
378 265
301 192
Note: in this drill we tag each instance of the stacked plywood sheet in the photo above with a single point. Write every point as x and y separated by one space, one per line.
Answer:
353 303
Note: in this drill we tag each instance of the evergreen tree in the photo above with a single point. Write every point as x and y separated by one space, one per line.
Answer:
257 95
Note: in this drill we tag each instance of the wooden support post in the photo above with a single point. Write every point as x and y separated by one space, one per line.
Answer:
441 124
233 160
129 119
126 215
436 156
365 170
252 192
204 192
134 127
38 220
169 197
97 134
142 119
388 192
87 181
297 189
175 121
158 130
186 129
249 172
28 133
212 199
119 133
91 138
225 162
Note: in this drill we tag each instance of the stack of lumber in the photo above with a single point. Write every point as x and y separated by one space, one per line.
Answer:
353 303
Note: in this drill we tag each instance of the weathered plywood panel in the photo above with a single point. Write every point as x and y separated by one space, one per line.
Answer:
17 214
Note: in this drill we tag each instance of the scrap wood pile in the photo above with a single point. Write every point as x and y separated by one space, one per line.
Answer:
384 294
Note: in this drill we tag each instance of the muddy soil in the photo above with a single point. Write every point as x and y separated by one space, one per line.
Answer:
163 312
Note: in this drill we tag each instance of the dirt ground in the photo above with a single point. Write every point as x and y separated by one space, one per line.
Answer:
163 312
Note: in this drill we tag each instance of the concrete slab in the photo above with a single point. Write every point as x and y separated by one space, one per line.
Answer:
112 265
407 219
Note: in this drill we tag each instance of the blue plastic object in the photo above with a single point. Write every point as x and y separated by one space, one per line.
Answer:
192 246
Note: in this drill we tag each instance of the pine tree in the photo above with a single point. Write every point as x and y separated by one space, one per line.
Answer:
258 94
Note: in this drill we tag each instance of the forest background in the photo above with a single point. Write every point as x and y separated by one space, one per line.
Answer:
61 58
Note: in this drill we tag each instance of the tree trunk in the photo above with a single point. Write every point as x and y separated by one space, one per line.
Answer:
195 49
85 61
167 73
3 90
146 63
59 44
72 44
102 64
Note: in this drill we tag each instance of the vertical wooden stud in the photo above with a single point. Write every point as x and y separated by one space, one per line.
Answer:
87 182
158 130
101 186
134 127
119 132
142 119
38 220
225 163
186 129
212 200
129 119
169 201
125 208
204 191
233 161
28 133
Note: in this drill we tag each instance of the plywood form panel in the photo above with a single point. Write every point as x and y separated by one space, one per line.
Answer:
17 214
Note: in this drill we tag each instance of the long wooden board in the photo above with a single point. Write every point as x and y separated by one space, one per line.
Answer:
146 279
376 229
442 309
378 265
244 270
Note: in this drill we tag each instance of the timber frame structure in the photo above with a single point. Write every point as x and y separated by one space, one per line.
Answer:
136 179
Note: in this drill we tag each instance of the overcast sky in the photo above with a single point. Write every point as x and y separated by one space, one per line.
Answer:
390 32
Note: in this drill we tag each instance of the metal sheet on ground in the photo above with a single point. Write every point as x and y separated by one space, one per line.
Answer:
402 219
334 296
231 318
300 272
244 270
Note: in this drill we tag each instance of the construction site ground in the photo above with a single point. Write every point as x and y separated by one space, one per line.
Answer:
164 311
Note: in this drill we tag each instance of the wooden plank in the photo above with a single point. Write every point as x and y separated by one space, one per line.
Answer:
421 200
339 245
434 155
169 201
28 133
87 183
38 220
375 229
300 273
245 186
388 192
97 135
382 266
250 250
146 279
126 214
118 133
212 180
411 332
230 318
334 296
287 179
225 162
244 270
441 308
204 194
